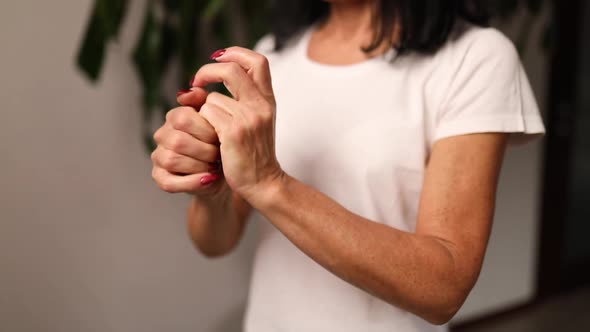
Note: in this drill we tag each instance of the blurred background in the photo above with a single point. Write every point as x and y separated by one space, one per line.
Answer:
89 243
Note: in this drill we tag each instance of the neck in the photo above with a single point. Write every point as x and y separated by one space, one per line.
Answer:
350 20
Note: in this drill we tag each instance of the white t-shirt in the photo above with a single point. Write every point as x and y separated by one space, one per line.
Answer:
362 134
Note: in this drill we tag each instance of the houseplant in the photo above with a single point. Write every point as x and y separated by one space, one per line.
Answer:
186 30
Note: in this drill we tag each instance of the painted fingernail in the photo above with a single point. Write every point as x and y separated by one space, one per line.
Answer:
182 92
208 179
192 82
217 54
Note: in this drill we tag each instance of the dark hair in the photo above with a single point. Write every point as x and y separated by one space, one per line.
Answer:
425 25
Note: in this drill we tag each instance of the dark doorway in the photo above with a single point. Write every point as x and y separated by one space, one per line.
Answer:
564 261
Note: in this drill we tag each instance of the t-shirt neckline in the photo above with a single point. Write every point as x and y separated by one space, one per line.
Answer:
303 47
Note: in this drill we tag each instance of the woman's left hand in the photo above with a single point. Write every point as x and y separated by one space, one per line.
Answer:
245 124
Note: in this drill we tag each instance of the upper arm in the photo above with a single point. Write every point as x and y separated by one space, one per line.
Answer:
458 197
487 101
485 89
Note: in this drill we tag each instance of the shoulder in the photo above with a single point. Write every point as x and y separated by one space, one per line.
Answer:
469 49
480 38
471 57
473 46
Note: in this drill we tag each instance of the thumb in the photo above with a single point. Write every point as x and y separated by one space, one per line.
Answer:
194 97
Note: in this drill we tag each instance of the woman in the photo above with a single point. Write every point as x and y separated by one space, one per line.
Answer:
375 204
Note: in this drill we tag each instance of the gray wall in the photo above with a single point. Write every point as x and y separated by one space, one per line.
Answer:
88 243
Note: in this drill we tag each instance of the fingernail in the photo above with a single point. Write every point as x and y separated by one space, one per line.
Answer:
192 82
182 92
208 179
217 54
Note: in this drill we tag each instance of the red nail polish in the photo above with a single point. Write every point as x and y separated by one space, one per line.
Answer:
217 54
192 82
182 92
208 179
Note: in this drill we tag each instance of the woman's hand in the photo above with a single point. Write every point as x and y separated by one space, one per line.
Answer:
186 159
244 124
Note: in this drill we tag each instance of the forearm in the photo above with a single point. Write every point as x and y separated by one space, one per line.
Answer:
216 223
414 272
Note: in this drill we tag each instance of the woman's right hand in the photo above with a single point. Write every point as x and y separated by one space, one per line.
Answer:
187 156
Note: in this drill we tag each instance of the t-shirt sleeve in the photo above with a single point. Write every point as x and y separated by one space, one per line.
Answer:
488 91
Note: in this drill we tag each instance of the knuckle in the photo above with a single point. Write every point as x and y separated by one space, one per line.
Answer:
213 96
268 108
173 113
176 142
162 182
266 116
262 61
238 134
206 107
169 161
257 122
233 68
167 186
170 114
181 121
203 68
205 110
158 135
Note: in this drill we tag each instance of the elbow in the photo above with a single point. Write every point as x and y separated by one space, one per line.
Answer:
442 315
213 251
448 298
211 247
436 309
444 308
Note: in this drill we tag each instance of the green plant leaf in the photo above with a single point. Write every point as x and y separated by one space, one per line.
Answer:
257 13
190 28
187 39
91 54
112 13
104 24
146 59
147 62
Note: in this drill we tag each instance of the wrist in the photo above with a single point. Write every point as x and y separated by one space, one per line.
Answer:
267 194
